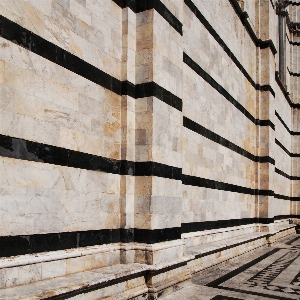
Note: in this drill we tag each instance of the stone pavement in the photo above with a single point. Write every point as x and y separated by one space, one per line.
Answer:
270 273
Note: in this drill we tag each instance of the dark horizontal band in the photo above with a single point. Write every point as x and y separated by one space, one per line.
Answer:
150 168
291 42
264 88
286 175
258 42
244 19
285 126
33 151
219 224
294 3
189 124
283 197
36 243
36 44
218 185
196 68
152 236
223 45
286 150
138 6
157 169
149 89
285 92
38 152
294 74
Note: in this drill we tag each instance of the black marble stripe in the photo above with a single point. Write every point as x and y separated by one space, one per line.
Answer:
189 124
283 197
286 150
265 88
195 67
19 35
27 244
294 74
285 126
218 185
286 175
223 45
138 6
285 92
210 225
282 147
36 44
291 42
223 186
243 16
36 243
156 235
149 89
33 151
219 224
157 169
121 3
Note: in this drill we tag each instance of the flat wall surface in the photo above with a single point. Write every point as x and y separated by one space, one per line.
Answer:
128 121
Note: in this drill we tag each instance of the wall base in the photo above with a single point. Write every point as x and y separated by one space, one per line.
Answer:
203 250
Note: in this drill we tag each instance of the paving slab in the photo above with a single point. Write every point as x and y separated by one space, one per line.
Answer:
269 273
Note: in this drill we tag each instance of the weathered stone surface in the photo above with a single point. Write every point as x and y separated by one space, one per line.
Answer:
159 138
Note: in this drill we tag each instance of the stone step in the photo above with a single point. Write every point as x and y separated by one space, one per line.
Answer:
220 245
213 247
123 281
78 283
210 254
